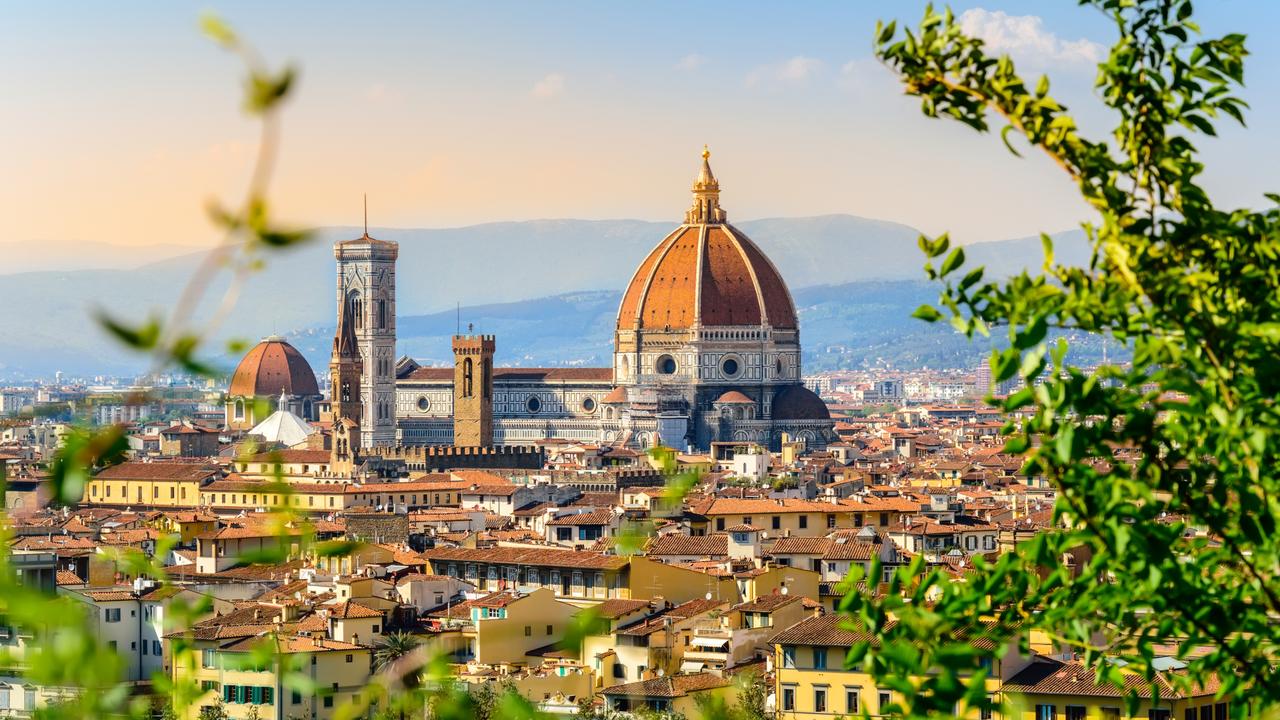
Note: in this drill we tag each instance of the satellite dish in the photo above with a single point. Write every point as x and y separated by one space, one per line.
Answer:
708 596
784 590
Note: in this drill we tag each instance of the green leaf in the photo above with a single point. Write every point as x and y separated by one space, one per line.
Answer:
927 313
217 30
953 261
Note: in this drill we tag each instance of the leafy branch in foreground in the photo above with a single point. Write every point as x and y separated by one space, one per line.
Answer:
1167 495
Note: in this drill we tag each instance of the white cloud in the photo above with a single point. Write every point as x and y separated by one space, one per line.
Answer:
692 61
1025 38
796 71
548 87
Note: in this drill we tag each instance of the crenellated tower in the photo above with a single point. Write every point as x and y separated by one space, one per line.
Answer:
473 390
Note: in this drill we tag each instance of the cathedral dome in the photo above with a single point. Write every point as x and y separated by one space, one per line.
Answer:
797 402
706 273
273 367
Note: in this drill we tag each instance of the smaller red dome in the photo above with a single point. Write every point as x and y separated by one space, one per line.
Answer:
797 402
735 397
273 367
615 396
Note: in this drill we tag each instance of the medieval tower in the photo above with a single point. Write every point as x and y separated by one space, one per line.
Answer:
367 296
473 390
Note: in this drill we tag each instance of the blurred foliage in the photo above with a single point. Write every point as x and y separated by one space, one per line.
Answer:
1167 494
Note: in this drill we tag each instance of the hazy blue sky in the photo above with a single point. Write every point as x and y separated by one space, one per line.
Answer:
119 119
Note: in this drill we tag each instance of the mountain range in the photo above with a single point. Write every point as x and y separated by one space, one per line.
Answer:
548 288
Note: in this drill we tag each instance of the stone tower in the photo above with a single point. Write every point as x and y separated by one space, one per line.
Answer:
473 390
367 295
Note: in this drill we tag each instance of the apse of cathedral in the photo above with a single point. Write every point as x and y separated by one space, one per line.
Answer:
706 349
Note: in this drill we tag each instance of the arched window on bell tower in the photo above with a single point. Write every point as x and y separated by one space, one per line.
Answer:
356 309
467 377
486 378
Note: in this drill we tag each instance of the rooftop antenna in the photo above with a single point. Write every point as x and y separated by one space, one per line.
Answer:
457 329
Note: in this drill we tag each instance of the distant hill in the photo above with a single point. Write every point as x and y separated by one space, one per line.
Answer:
24 257
555 260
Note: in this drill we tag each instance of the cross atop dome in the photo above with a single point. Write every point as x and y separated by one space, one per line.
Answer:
706 208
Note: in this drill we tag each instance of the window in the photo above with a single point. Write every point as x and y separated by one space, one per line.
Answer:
851 701
1075 712
831 520
1046 712
804 521
1158 714
1220 711
589 405
788 698
776 521
111 644
719 523
208 658
4 697
351 658
788 656
1110 713
729 367
156 648
619 671
533 404
146 648
1206 712
819 658
295 698
550 630
528 631
885 699
29 698
819 699
666 365
113 615
328 701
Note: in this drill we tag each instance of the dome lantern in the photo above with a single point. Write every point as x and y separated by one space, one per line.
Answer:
706 196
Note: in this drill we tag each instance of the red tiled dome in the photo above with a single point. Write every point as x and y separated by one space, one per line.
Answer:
797 402
733 396
707 274
271 367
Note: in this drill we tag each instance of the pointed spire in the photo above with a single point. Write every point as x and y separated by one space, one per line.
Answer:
706 196
283 399
366 214
344 338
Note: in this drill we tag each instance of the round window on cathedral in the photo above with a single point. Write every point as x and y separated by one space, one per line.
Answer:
729 367
423 403
667 365
589 405
533 404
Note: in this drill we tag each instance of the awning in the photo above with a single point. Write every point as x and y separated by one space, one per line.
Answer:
689 666
710 642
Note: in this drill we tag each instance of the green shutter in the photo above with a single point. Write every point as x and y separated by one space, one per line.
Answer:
268 695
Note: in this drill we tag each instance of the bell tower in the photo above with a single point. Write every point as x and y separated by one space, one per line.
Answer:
473 390
367 295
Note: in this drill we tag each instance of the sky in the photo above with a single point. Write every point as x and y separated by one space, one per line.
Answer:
120 121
